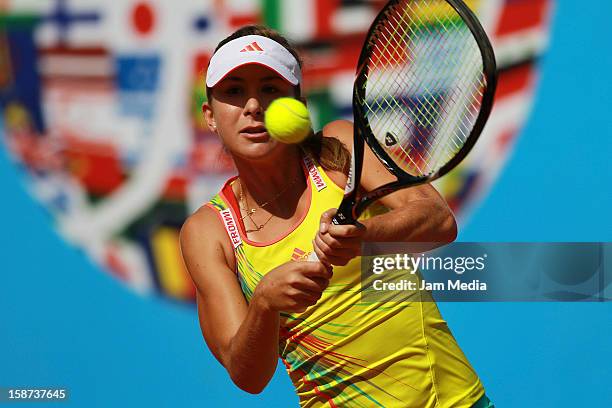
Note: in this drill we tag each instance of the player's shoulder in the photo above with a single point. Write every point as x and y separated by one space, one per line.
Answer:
205 230
340 129
205 222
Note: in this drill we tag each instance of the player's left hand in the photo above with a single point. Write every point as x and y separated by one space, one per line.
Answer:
337 244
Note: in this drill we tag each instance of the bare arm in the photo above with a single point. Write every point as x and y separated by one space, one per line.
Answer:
243 337
418 214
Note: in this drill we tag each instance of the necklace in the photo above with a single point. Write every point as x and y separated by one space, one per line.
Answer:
251 211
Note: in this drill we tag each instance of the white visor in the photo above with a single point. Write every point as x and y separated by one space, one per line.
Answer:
253 49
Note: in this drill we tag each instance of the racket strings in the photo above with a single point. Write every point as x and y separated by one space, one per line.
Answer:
442 26
433 36
395 101
424 86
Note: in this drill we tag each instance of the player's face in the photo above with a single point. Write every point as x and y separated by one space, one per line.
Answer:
237 109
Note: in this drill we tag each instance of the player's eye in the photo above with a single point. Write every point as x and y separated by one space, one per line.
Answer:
233 90
270 89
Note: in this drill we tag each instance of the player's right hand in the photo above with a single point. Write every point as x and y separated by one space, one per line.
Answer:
293 286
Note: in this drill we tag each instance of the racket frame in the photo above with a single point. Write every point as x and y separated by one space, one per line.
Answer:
351 207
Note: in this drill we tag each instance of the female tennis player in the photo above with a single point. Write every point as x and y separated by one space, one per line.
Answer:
258 298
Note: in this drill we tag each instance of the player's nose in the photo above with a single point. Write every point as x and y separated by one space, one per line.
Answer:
253 107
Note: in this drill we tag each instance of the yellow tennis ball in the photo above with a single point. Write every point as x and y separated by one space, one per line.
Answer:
287 120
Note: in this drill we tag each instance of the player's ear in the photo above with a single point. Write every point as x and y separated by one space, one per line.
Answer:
209 117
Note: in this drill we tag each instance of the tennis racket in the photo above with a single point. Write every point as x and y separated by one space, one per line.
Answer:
424 90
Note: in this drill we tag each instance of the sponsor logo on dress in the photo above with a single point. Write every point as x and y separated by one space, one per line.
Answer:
314 173
231 227
299 255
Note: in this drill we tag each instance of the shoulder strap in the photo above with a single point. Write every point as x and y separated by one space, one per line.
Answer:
313 171
231 227
224 211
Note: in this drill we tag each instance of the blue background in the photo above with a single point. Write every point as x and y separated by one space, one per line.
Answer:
65 323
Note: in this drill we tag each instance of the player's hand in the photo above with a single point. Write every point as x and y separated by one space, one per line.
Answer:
293 286
337 244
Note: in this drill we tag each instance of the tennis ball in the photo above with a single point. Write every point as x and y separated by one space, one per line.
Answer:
287 120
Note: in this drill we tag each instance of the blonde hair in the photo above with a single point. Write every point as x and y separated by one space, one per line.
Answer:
328 151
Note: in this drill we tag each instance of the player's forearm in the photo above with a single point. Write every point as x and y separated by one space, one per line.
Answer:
424 221
253 352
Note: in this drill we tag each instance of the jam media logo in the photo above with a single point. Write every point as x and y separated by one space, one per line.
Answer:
493 272
101 107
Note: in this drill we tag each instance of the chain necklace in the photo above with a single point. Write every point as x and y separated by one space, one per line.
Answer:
251 211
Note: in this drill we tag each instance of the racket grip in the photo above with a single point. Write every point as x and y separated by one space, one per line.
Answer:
345 215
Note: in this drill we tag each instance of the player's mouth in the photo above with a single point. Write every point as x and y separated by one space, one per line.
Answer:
255 133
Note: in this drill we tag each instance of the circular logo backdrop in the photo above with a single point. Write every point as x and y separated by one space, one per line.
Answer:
101 107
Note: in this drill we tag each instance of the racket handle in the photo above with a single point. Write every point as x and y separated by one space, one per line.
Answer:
345 215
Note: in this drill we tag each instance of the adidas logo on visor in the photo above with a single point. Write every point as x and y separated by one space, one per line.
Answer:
252 47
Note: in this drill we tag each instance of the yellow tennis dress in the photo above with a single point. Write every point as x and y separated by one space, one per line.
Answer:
344 351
